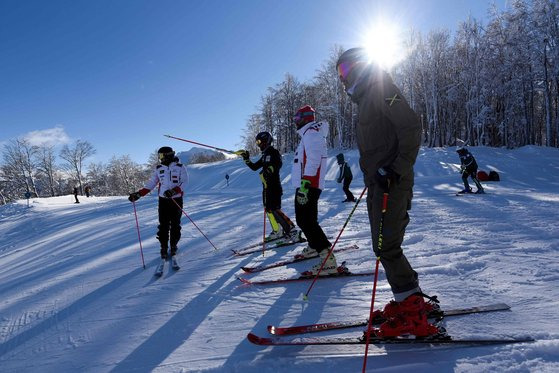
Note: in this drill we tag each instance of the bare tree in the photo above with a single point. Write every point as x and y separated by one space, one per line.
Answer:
75 157
19 166
46 166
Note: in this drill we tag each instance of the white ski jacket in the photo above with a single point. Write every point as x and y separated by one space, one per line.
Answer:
172 177
309 161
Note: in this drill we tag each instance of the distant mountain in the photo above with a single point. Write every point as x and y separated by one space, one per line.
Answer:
200 155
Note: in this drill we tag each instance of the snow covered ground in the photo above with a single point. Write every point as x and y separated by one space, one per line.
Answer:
75 298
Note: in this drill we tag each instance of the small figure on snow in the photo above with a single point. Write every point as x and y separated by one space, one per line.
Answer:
388 138
346 176
271 163
170 176
76 192
468 167
309 169
87 191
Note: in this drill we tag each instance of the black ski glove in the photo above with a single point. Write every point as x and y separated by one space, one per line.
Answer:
133 197
169 193
385 176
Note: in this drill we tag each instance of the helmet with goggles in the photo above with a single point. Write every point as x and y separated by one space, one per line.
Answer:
303 116
348 60
166 155
263 140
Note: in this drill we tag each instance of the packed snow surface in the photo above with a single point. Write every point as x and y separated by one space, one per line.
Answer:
75 297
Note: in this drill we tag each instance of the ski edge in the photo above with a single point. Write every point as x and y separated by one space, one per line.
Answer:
279 341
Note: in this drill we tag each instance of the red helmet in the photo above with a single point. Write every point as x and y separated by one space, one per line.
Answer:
303 116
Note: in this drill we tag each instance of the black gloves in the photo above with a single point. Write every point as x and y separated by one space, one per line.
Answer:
385 176
169 193
133 197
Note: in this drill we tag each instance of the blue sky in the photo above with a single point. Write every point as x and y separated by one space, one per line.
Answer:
121 74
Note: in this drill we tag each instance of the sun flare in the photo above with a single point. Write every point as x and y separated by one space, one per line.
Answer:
384 45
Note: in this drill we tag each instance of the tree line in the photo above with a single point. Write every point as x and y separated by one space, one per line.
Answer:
494 85
44 172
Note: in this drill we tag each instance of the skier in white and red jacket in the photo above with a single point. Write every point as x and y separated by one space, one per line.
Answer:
169 177
309 169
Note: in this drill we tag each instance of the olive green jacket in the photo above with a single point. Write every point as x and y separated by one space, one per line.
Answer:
388 132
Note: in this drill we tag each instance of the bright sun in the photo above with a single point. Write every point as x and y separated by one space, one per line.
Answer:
384 45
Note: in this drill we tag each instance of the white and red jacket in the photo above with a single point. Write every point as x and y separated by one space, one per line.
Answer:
173 177
309 161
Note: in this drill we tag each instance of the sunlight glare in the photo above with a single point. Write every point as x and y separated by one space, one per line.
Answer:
384 45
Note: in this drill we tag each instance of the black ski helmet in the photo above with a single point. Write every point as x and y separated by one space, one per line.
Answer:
166 154
263 140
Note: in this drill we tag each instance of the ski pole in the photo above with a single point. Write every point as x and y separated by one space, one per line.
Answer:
264 234
379 247
192 221
306 296
139 238
197 143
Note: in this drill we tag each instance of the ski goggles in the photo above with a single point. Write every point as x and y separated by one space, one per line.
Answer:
162 156
344 69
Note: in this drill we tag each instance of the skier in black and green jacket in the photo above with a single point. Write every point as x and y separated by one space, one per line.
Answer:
270 162
346 176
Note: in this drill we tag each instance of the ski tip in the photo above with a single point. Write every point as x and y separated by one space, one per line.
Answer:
244 280
247 269
253 338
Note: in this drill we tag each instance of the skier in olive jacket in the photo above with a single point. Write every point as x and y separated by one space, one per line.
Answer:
388 138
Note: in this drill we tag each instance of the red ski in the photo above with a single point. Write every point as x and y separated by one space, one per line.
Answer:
436 314
443 339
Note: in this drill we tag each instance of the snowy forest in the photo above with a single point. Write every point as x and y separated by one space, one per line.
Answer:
494 85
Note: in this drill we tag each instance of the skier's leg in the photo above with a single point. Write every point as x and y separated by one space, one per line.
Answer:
164 225
400 275
175 221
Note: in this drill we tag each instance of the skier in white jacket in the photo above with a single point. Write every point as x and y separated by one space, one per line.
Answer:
309 169
170 177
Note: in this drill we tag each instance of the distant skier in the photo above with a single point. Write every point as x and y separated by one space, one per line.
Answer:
170 177
309 169
388 138
468 167
87 191
76 192
346 176
271 163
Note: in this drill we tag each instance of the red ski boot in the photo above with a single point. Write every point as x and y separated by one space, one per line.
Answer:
393 308
408 317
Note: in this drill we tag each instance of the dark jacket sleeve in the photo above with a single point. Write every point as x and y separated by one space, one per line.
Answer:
254 166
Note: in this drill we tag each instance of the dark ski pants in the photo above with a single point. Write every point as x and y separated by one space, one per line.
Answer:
169 222
282 219
307 219
400 275
473 175
349 196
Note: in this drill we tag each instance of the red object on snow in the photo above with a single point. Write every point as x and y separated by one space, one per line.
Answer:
482 176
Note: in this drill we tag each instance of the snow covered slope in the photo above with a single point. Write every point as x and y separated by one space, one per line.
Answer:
74 296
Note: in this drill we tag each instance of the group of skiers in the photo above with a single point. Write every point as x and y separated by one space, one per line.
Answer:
388 137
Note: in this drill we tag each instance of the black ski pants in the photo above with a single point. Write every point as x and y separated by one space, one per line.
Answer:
307 219
169 223
349 196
